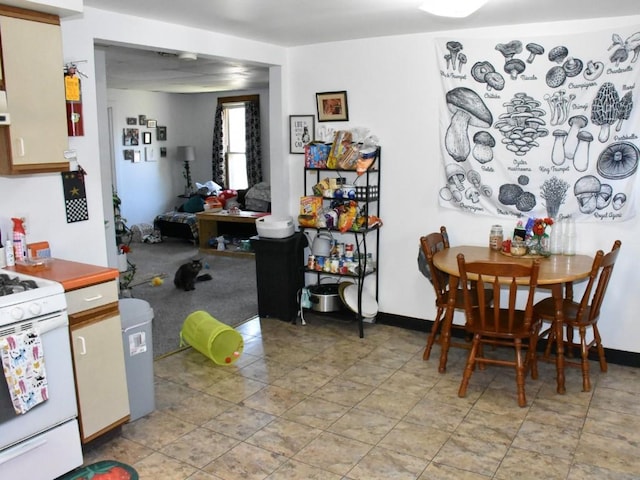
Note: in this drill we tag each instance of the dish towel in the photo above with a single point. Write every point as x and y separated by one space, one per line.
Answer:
23 365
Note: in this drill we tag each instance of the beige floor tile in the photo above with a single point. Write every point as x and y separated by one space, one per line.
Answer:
477 455
199 447
589 472
245 462
617 455
437 471
616 400
368 373
383 464
156 430
363 426
158 465
235 388
525 464
273 400
443 416
284 437
616 425
416 440
303 379
333 453
199 408
315 412
501 428
295 470
389 403
343 391
239 422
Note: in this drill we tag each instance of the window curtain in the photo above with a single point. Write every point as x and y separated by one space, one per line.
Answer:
252 134
217 161
253 144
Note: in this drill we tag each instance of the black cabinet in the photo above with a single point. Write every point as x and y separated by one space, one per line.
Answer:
279 275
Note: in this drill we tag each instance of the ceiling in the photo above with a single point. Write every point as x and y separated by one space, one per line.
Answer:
291 23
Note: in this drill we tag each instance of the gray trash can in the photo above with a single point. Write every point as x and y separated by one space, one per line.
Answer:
136 316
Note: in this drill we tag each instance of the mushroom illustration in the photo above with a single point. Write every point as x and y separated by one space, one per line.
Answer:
581 154
556 76
484 143
462 59
572 66
455 176
445 194
472 194
619 199
632 44
480 69
604 196
616 40
534 49
604 109
454 48
619 56
558 54
586 190
509 49
593 70
494 81
514 67
526 202
618 160
474 178
554 192
557 152
468 109
509 193
626 105
575 123
447 57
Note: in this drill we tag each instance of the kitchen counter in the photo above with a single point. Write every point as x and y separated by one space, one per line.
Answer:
72 275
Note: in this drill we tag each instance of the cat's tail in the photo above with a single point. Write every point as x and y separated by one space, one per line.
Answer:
204 277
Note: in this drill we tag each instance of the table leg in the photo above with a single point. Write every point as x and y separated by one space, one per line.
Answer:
558 325
445 335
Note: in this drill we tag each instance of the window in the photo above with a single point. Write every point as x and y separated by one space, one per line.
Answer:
235 145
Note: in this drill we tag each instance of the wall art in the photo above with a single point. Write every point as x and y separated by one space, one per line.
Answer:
301 131
332 106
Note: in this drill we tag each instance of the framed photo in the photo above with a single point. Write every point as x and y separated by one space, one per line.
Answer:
130 136
161 133
163 152
150 154
128 155
301 132
146 138
142 119
152 124
136 156
132 121
332 106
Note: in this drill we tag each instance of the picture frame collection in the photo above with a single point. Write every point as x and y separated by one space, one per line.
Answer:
133 136
331 107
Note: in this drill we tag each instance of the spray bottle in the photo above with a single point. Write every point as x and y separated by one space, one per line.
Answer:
19 239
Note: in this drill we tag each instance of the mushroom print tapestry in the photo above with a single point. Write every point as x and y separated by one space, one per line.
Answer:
541 127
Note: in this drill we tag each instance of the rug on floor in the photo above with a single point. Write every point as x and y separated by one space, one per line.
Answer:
230 296
104 470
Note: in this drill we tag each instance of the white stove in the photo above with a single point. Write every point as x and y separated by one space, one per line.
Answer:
24 296
43 442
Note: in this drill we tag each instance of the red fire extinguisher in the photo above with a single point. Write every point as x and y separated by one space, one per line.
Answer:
73 97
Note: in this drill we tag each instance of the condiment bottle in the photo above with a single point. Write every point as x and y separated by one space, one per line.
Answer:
496 237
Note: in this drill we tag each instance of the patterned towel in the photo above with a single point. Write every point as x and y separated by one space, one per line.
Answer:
23 365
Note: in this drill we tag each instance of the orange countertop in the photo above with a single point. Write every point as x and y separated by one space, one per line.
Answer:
72 275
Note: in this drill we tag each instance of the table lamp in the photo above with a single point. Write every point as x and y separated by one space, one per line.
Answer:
187 154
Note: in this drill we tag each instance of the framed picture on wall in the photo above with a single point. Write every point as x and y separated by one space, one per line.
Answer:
128 155
163 152
332 106
161 133
152 124
132 121
136 156
146 138
142 119
301 128
130 136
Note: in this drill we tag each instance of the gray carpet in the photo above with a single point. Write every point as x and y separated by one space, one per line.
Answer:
230 297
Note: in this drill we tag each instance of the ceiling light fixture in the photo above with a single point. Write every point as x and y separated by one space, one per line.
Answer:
187 56
452 8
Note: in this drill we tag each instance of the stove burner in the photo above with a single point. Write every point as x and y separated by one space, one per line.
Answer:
9 285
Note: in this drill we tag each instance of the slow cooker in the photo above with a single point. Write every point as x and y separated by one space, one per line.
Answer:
325 297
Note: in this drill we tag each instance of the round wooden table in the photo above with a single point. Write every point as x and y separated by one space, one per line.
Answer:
555 271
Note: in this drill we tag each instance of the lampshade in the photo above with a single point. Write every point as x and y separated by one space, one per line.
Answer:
452 8
186 154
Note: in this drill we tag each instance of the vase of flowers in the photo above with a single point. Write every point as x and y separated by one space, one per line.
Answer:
538 243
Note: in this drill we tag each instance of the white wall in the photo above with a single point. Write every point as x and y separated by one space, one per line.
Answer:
393 87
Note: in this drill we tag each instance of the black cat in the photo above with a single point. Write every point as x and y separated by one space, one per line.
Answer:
187 275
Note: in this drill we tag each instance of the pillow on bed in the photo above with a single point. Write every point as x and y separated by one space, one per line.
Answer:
212 187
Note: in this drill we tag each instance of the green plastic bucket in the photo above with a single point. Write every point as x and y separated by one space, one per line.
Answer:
212 338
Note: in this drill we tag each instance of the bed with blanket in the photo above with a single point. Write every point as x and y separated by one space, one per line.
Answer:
177 224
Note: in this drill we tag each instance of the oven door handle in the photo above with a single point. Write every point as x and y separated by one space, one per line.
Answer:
21 449
53 322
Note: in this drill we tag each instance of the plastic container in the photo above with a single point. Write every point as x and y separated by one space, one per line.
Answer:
212 338
569 237
136 316
496 237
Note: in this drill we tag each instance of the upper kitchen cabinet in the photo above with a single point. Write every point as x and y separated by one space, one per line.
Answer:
33 128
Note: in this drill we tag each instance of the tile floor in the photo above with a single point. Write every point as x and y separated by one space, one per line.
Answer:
317 402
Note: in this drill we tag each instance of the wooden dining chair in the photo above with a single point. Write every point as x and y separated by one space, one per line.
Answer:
581 315
430 245
496 324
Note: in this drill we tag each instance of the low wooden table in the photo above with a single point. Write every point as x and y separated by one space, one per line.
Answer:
209 226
